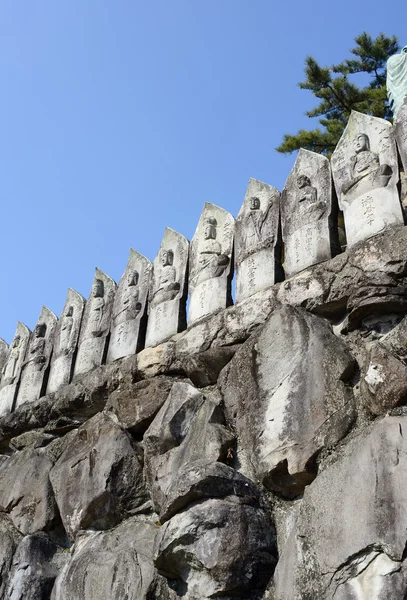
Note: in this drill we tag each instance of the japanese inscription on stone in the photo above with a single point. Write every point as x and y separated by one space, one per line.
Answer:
168 290
37 358
12 368
257 240
95 324
66 341
210 268
308 213
365 172
128 326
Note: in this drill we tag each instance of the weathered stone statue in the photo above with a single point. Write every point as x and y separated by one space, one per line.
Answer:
210 269
168 290
365 172
257 240
34 372
129 309
12 368
3 355
397 80
95 324
66 341
308 214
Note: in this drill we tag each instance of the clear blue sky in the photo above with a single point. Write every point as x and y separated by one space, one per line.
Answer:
120 117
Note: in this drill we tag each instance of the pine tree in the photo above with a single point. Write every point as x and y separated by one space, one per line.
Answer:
339 95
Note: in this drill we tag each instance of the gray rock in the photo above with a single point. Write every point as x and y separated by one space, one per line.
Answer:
136 405
25 491
188 428
217 548
285 393
4 348
400 129
351 527
210 263
116 564
35 566
98 479
66 341
308 213
169 288
257 240
12 368
129 316
36 439
9 540
203 368
365 172
95 324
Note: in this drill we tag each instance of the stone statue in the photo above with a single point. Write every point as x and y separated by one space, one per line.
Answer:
211 262
254 221
131 306
365 166
168 286
66 330
310 208
308 193
397 80
36 355
10 368
97 308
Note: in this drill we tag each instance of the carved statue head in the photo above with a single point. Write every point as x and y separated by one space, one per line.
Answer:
254 203
98 288
210 228
69 311
303 181
167 257
40 330
16 342
361 143
132 278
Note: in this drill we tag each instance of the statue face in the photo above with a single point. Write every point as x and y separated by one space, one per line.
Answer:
303 181
16 342
361 143
97 289
209 231
69 311
40 330
132 278
254 203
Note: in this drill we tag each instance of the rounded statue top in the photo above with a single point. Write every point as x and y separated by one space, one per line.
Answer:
397 80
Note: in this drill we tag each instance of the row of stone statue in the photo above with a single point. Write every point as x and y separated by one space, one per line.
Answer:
149 304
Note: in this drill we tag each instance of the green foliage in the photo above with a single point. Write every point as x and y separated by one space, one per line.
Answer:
339 94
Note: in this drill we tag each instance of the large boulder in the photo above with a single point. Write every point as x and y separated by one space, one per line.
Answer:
9 540
112 565
188 428
350 534
98 479
25 490
286 393
217 548
35 566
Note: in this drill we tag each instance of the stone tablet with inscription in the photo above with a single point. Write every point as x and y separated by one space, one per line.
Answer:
168 290
95 324
365 172
66 341
128 326
37 359
210 263
3 355
12 368
257 240
400 128
308 214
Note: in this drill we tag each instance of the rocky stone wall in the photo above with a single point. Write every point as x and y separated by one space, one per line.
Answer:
259 454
